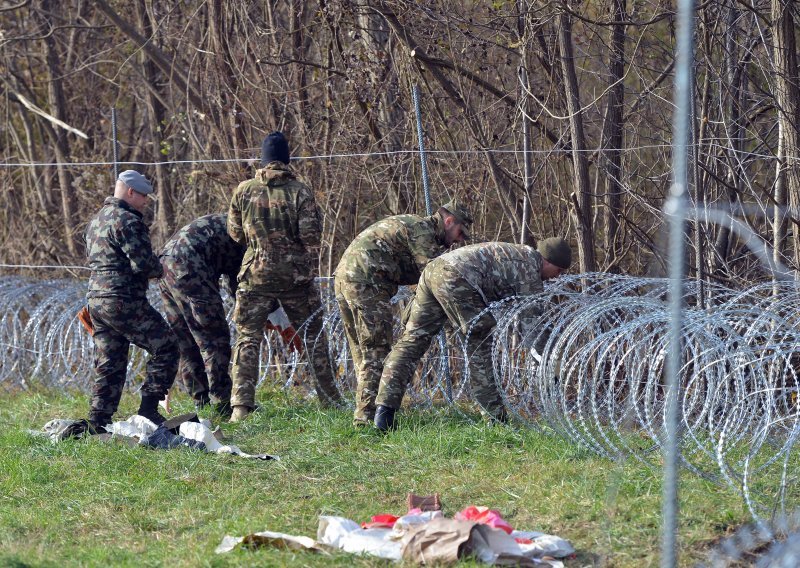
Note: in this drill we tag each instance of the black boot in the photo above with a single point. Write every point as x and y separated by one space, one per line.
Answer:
149 409
384 418
202 400
82 428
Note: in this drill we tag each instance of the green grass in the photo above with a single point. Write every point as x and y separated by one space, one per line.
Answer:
87 503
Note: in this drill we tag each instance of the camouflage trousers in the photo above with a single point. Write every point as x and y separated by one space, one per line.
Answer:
366 312
118 322
253 306
196 315
443 294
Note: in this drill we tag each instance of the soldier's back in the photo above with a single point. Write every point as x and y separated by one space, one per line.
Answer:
497 269
204 248
385 251
279 223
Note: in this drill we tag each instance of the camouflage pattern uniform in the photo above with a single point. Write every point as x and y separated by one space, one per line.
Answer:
389 253
122 261
277 218
458 286
193 260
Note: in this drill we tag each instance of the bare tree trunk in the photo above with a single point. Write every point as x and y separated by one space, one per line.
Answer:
296 11
226 73
779 221
391 115
526 237
582 203
699 230
733 131
58 108
155 116
786 93
612 134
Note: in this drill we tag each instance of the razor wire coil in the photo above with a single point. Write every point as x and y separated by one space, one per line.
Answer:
585 360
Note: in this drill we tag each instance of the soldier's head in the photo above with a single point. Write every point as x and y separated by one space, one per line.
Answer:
275 148
133 188
556 257
457 221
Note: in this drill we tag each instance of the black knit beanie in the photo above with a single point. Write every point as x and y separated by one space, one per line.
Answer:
274 148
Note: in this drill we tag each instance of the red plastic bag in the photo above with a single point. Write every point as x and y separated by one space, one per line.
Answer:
484 516
384 521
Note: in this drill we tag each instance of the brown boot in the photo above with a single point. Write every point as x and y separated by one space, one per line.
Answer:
240 413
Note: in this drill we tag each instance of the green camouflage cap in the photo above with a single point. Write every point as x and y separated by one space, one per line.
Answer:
556 250
461 213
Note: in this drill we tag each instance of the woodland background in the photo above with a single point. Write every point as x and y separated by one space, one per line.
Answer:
592 81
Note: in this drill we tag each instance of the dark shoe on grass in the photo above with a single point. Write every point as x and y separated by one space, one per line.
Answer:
384 418
202 400
149 409
82 428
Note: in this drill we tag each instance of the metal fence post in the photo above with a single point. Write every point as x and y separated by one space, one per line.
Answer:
444 364
676 210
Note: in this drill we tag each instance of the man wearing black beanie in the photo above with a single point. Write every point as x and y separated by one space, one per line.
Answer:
276 217
275 148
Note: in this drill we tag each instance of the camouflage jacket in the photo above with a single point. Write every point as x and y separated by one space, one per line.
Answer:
204 251
119 252
393 251
276 217
497 270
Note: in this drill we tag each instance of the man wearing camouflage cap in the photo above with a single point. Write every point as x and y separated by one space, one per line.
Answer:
276 217
122 262
387 254
458 286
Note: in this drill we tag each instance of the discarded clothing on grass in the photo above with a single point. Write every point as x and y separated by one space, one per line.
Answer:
164 439
422 538
484 516
54 430
181 431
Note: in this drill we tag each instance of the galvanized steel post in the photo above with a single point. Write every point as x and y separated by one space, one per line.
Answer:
444 366
676 210
423 160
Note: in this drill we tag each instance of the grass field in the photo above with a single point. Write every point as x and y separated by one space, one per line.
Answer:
86 503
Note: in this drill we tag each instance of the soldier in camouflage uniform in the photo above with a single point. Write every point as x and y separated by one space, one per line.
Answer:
193 260
389 253
458 286
122 261
276 217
